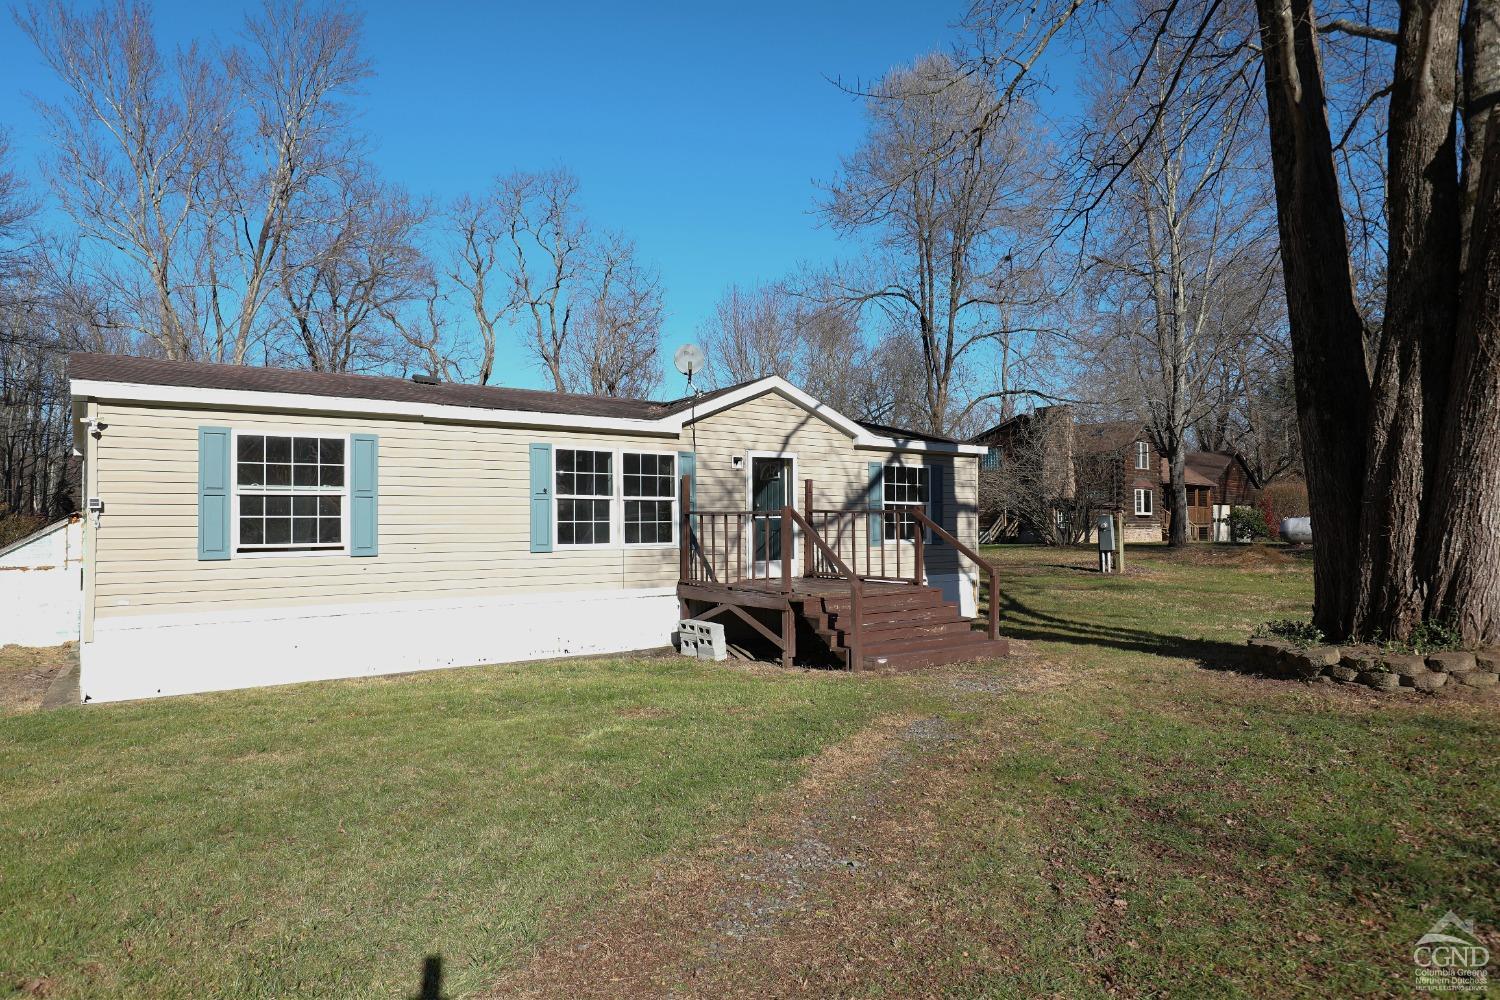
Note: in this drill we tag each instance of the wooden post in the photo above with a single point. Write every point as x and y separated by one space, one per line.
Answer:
993 627
788 619
786 550
684 528
919 575
854 639
807 542
1120 542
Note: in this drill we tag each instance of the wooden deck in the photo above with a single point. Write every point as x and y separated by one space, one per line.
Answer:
828 613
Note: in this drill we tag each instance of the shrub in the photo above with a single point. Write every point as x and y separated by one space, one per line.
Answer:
1247 523
1292 630
1429 637
1284 498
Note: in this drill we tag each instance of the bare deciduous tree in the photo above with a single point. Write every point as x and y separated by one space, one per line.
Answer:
616 346
134 150
474 268
356 270
752 333
1183 250
547 259
1399 408
297 62
953 201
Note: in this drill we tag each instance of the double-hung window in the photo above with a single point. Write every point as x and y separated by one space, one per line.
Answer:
905 488
289 492
650 490
1142 455
585 496
608 497
1143 502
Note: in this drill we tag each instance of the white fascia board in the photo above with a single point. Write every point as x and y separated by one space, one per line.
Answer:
914 444
771 383
862 436
247 399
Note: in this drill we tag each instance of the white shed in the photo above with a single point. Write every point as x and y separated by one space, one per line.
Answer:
41 586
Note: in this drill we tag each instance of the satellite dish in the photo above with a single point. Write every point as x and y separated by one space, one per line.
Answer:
689 359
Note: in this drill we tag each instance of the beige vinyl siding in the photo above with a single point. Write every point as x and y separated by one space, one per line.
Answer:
454 508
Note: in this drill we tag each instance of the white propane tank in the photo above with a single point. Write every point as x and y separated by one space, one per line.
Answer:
1296 529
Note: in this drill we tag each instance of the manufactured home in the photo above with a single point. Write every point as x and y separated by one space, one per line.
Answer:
255 526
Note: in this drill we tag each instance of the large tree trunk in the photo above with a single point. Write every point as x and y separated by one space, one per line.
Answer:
1422 498
1412 366
1326 331
1177 527
1463 554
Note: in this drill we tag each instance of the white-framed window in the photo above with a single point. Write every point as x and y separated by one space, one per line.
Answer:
607 497
1142 455
905 486
585 496
650 497
1143 501
289 492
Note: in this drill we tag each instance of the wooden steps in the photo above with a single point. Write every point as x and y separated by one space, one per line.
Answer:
913 627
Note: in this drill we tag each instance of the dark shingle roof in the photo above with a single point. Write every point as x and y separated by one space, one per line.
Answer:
199 375
1107 436
1209 464
901 432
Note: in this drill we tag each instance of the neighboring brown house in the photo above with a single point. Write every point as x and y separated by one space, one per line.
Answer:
1044 471
1044 466
1118 462
1216 482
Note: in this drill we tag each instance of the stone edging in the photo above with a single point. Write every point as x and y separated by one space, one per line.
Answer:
1375 668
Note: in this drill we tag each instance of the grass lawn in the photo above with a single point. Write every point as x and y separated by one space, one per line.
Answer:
321 840
1139 824
1155 828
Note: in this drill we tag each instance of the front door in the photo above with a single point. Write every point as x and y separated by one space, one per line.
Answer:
770 489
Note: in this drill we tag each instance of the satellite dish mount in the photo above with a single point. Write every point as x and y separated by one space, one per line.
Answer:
690 360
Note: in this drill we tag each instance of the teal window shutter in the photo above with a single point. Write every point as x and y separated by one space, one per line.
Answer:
687 465
875 500
936 505
364 494
541 498
213 492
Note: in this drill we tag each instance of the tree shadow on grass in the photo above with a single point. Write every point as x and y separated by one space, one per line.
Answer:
1019 620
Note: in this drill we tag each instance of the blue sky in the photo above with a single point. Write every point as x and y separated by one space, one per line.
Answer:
698 129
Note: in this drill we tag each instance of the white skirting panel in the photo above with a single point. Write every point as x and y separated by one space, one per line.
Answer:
961 587
178 654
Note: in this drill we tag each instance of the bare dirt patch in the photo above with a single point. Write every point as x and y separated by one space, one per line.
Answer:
27 672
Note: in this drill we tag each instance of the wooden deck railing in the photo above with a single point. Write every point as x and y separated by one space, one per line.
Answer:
853 634
715 549
992 627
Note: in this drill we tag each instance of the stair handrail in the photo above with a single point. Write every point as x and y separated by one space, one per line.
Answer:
855 640
993 626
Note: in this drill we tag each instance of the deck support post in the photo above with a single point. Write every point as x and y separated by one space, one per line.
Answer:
807 542
788 620
919 572
684 527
